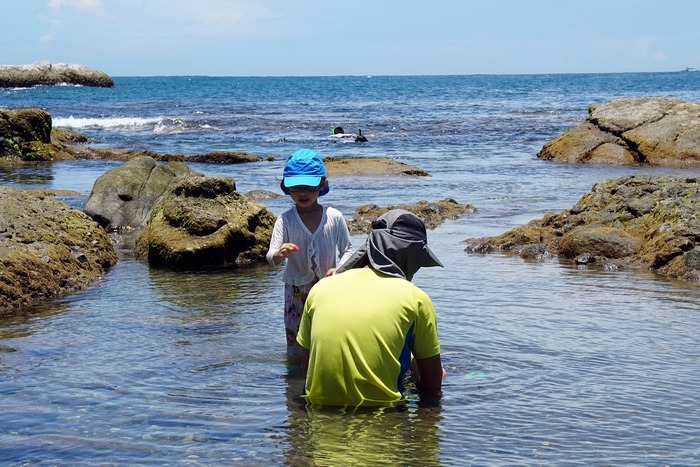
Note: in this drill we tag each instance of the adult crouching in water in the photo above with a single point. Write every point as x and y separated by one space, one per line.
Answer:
362 328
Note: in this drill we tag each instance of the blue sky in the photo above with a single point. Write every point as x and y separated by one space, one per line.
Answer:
359 37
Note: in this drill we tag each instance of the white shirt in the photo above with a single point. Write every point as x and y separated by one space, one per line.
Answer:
317 247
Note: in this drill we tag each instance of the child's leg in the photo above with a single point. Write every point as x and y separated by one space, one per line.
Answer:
294 299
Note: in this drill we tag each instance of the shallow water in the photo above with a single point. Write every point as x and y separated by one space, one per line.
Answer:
548 363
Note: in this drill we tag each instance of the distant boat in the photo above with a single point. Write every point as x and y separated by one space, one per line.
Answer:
688 69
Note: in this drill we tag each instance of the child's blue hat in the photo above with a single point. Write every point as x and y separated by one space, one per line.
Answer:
303 167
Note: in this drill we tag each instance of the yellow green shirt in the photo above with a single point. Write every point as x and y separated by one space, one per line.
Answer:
361 327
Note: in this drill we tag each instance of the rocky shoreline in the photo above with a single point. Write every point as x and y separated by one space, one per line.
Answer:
186 221
635 221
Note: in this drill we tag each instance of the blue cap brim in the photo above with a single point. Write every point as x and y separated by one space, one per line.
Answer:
304 180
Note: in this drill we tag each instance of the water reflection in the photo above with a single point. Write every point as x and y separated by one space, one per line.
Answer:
407 435
211 290
29 174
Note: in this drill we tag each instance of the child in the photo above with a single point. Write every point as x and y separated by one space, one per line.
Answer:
307 236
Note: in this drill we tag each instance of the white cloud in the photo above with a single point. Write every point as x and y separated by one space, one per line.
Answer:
54 24
80 4
223 16
645 49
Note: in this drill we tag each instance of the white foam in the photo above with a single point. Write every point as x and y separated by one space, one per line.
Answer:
114 122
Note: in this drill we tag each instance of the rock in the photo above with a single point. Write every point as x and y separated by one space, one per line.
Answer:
47 250
214 157
204 223
655 131
369 165
432 214
263 195
47 74
643 221
27 135
123 197
605 242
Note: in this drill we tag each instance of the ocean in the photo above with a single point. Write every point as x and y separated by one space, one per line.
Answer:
548 363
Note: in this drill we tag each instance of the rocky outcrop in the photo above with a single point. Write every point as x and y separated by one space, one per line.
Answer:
369 165
125 195
28 135
432 214
48 74
652 222
47 249
654 131
204 223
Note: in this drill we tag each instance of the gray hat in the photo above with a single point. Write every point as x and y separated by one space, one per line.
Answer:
397 246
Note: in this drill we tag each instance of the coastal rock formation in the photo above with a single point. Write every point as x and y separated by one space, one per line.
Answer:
28 135
645 221
49 74
82 152
204 223
655 131
125 195
432 214
47 249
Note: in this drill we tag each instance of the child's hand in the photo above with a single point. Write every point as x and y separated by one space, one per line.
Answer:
285 249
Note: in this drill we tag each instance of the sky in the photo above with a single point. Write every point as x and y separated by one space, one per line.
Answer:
358 37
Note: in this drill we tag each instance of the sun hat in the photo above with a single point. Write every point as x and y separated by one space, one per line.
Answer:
303 167
397 246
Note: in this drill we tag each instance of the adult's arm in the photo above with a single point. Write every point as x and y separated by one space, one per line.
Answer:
304 360
429 375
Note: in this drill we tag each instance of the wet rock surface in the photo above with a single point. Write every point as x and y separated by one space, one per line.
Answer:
202 223
654 131
47 249
636 221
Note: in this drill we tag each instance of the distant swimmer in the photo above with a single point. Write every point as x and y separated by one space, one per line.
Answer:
359 138
337 132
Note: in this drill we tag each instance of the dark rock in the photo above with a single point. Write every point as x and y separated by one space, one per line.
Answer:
27 135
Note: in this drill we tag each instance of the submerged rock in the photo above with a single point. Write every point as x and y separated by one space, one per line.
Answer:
432 214
653 222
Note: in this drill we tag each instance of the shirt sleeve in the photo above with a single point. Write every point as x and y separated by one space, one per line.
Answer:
276 241
344 243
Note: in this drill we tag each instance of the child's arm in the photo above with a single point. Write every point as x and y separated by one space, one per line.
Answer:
282 252
345 249
279 250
